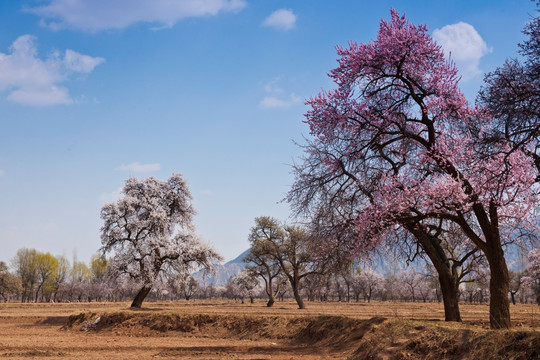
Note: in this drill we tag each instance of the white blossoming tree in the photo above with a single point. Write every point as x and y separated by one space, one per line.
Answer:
151 234
369 282
532 280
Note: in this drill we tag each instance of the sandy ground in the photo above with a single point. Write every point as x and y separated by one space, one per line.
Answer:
35 330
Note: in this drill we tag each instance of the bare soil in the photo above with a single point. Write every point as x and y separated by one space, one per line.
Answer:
222 329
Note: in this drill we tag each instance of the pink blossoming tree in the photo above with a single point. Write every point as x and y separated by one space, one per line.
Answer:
512 94
396 145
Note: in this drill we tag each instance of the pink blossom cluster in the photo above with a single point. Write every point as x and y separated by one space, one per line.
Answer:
407 142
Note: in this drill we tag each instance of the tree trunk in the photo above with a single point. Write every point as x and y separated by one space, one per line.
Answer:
499 286
141 295
513 295
37 292
450 294
298 298
447 278
270 290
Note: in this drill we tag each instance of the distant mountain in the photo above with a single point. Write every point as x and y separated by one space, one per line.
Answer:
378 263
222 272
239 259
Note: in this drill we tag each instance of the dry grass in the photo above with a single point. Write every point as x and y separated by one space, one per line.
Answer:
230 330
526 316
406 339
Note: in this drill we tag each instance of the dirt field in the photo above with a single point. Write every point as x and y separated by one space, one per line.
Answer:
230 330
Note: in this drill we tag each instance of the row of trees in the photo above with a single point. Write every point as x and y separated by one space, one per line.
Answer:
77 281
399 156
290 259
150 234
39 276
366 285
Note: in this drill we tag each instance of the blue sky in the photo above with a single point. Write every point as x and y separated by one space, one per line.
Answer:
95 91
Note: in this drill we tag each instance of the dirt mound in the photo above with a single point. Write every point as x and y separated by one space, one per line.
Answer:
33 354
401 339
324 330
375 338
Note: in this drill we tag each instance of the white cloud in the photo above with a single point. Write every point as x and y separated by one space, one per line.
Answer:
80 63
464 45
2 172
275 98
138 167
41 96
273 102
282 19
97 15
273 86
30 80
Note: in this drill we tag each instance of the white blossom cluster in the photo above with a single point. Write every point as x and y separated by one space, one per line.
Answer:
150 231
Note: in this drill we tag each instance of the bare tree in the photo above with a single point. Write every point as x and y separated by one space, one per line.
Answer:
293 250
81 277
25 267
410 280
61 275
9 283
247 285
184 285
516 281
316 287
259 259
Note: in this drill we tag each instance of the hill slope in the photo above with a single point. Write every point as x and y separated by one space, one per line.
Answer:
222 272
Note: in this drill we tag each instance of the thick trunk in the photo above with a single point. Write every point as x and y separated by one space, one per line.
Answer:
270 291
447 278
499 286
298 298
141 295
450 294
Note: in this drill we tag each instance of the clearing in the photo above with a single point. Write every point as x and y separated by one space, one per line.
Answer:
221 329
